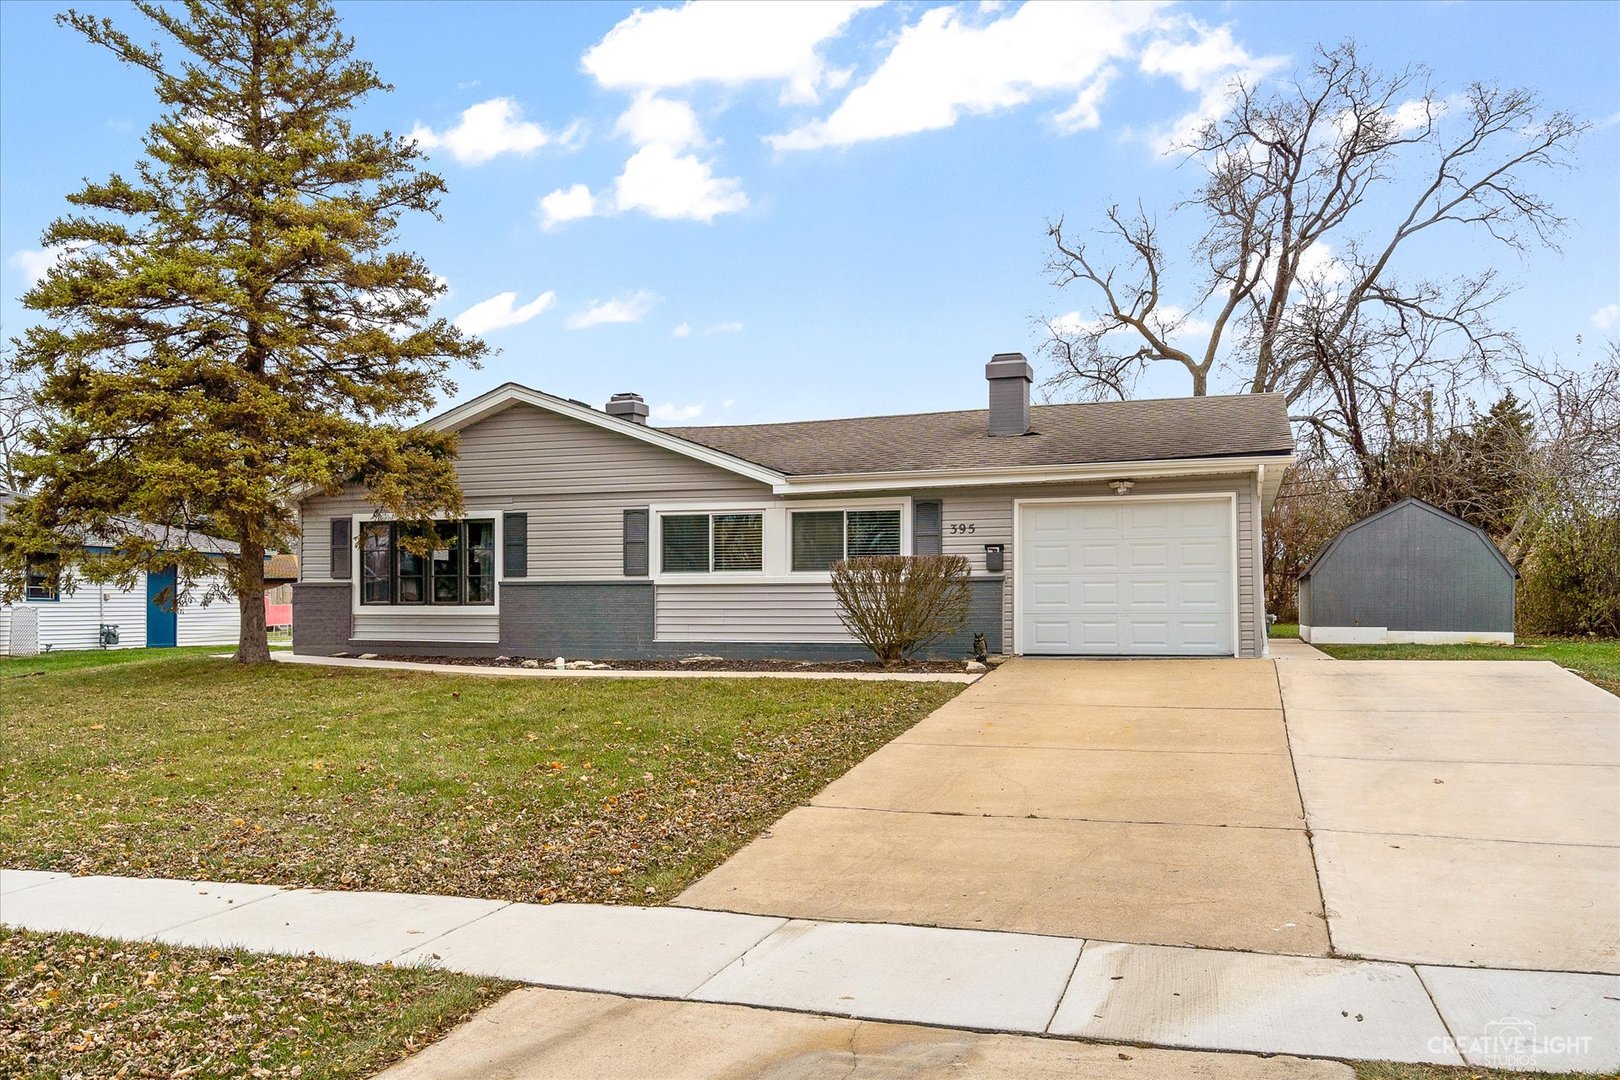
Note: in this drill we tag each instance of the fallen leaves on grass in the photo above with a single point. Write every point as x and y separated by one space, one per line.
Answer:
79 1006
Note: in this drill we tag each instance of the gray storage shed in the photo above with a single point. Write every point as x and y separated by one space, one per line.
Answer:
1409 573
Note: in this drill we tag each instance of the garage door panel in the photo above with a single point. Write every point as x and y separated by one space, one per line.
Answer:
1206 594
1123 578
1100 634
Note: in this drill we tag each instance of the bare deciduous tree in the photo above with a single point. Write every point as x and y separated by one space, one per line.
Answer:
1312 192
20 413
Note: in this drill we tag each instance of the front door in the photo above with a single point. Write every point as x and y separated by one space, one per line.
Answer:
160 608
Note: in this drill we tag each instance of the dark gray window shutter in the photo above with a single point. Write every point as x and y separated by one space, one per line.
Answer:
635 543
515 545
342 548
926 515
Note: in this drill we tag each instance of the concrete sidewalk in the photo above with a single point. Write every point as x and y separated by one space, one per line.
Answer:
980 980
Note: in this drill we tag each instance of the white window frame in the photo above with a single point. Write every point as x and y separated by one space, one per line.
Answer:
704 575
1231 497
777 537
427 610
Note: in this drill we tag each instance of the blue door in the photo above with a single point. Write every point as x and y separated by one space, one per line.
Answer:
160 616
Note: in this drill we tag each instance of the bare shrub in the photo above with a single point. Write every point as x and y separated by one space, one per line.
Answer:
896 604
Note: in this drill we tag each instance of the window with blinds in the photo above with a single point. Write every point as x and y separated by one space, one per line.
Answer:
823 537
718 543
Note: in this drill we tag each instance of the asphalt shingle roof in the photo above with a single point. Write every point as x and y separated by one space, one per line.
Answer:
1078 434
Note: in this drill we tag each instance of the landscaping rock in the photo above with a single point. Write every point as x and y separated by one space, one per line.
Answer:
973 667
530 664
700 658
369 656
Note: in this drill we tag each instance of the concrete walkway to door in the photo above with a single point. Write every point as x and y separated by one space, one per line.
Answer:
1141 801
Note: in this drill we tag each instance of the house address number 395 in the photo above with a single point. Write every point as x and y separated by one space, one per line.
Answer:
963 528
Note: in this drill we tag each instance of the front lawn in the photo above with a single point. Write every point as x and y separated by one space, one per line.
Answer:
1597 661
83 1006
516 789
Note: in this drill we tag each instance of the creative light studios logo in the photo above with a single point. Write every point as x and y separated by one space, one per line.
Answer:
1511 1043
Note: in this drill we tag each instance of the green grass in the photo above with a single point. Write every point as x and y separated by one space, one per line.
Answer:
518 789
83 1006
1284 630
73 659
1597 661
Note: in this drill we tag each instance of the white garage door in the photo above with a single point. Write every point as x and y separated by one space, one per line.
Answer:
1126 577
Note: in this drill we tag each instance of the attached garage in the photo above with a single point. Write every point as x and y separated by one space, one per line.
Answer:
1126 576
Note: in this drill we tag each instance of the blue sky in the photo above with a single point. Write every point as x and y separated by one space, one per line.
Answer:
830 209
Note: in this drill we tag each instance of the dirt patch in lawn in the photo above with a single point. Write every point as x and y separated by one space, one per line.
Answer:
83 1006
512 789
699 663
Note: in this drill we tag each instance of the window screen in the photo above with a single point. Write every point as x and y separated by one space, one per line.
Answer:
480 562
42 578
739 542
818 539
872 532
685 546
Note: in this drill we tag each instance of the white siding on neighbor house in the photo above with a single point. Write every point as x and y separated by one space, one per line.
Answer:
767 612
573 479
208 615
990 512
74 621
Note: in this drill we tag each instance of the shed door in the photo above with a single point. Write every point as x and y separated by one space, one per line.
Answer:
1126 577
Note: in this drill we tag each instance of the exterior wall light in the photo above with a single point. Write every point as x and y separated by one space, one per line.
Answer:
1121 487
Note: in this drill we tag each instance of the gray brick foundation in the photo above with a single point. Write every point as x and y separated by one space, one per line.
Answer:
606 619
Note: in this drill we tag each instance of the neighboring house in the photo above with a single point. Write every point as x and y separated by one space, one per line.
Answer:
280 571
589 533
87 615
1409 573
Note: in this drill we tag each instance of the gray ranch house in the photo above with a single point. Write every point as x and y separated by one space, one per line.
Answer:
1115 529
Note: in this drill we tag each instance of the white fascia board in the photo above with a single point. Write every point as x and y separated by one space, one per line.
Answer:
509 394
1037 474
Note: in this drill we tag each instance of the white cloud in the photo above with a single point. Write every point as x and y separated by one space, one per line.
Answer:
567 204
498 312
651 119
489 129
35 263
1606 317
665 184
724 328
682 330
661 178
1169 321
951 63
669 411
628 309
1205 60
730 42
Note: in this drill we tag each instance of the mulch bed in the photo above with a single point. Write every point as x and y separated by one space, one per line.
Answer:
705 664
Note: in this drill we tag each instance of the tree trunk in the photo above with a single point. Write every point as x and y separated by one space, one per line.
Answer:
252 643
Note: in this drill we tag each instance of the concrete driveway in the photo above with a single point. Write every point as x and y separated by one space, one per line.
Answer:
1144 801
1462 812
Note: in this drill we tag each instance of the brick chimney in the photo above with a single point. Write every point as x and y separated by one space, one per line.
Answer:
1009 375
628 407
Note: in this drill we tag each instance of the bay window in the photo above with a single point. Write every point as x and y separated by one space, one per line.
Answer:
450 564
823 537
712 543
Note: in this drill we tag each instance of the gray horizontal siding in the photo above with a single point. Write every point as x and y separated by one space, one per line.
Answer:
574 480
768 612
401 624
